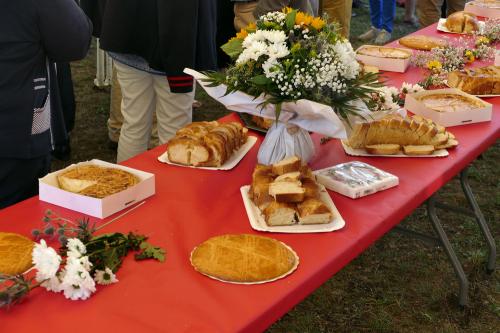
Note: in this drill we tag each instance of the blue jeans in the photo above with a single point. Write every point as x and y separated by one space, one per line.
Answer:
382 13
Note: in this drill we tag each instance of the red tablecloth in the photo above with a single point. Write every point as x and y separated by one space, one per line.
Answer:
192 205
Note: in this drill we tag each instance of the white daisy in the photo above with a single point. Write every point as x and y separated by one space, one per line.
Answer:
105 277
46 261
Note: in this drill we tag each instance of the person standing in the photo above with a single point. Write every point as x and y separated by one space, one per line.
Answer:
429 11
339 11
33 36
243 13
382 13
152 41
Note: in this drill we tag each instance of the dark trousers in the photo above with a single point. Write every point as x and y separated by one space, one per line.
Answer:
19 178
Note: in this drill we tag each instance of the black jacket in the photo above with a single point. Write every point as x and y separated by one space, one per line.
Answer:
170 34
32 33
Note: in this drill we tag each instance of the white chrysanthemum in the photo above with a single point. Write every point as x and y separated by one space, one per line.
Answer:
345 53
270 67
75 248
411 88
253 52
105 277
274 36
277 50
52 284
77 282
46 261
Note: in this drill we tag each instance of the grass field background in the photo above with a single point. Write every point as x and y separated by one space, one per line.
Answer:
398 284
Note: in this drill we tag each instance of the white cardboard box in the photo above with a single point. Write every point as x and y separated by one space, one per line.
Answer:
448 118
385 64
475 7
497 58
355 179
50 192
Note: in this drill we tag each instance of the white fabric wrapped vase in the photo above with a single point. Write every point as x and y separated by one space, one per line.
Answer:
284 140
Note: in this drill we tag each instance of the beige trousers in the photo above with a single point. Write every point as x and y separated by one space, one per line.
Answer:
142 95
115 119
429 11
243 14
339 11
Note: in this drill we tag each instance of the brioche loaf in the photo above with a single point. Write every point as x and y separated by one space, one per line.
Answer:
421 42
204 143
462 22
476 81
387 135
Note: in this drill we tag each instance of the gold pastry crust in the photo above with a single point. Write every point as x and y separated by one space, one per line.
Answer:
243 258
384 52
15 253
96 181
449 102
421 42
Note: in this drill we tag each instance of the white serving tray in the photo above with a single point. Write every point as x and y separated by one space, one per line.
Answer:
361 152
235 158
258 222
442 27
249 283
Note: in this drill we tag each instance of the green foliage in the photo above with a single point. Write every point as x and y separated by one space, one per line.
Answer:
233 47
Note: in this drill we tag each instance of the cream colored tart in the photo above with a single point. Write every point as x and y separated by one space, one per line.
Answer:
384 52
244 258
450 103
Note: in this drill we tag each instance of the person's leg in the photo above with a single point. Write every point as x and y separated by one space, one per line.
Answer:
375 18
19 178
428 11
410 12
243 14
376 13
115 119
138 103
173 111
388 14
339 11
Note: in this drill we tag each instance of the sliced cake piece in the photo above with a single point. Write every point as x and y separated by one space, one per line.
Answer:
383 149
314 211
279 213
289 164
287 191
418 149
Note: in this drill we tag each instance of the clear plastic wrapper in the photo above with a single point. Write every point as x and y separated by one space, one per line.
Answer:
355 179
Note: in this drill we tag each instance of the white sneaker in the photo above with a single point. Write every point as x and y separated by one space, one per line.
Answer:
369 35
383 37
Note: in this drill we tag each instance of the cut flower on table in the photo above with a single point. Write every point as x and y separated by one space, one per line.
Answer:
82 260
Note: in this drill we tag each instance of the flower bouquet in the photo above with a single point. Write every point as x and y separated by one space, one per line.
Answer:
297 70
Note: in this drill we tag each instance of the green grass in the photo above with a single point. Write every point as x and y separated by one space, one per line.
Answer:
398 284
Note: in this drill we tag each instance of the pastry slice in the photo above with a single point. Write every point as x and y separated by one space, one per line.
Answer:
279 213
289 164
418 149
383 149
314 211
287 191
